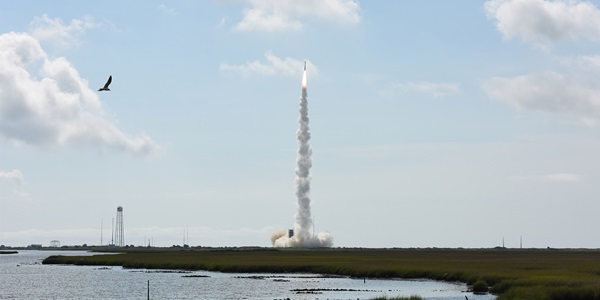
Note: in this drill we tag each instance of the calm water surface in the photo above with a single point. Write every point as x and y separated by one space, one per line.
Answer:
22 276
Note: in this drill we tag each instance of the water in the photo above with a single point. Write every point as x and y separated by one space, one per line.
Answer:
22 276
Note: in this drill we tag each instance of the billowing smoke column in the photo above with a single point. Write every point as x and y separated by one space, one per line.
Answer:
303 228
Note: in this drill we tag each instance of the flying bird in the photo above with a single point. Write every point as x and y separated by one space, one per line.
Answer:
105 87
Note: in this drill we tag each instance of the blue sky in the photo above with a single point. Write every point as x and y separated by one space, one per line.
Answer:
434 123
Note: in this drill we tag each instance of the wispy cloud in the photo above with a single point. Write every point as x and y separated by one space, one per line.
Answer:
422 87
167 10
44 102
555 177
12 185
574 93
222 22
54 31
288 15
15 175
273 65
542 21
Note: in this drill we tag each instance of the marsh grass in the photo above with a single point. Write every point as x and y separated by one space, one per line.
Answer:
512 274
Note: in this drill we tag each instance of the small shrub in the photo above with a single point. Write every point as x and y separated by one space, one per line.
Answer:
502 286
480 286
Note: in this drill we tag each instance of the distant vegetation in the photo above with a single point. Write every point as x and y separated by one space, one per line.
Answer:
398 298
511 274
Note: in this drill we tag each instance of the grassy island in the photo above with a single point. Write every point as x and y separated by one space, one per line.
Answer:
511 274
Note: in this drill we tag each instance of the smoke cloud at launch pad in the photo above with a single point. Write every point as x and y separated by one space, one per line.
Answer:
303 235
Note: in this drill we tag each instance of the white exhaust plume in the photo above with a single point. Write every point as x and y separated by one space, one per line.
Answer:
303 228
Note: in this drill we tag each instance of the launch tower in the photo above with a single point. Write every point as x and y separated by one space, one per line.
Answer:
119 242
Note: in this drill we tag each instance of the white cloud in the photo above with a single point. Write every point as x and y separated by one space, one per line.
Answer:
542 21
168 10
15 175
575 93
556 177
423 87
273 66
222 22
12 185
44 102
586 62
285 15
54 31
258 20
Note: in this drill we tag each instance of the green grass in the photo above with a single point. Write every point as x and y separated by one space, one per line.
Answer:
512 274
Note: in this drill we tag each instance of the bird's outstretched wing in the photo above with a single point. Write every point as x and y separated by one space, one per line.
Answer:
105 88
108 82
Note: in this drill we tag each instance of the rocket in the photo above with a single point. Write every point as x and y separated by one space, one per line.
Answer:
304 77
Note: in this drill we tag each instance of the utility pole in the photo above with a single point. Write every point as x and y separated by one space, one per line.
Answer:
112 232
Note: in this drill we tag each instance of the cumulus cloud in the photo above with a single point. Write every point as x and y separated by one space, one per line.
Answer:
54 31
572 91
286 15
44 102
273 66
542 21
422 87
